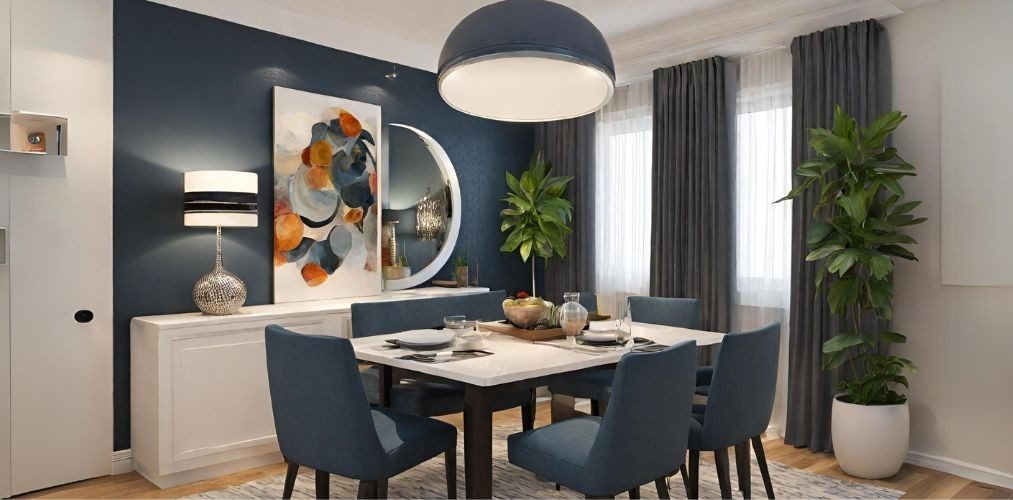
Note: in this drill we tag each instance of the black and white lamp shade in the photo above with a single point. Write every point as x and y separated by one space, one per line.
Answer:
526 61
220 198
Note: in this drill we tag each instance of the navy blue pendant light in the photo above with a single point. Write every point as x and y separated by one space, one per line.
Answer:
526 61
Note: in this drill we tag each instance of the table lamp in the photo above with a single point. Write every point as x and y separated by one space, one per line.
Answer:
219 198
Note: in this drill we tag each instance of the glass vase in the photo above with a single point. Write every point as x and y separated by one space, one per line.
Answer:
572 315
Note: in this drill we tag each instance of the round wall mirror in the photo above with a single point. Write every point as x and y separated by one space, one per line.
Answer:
421 199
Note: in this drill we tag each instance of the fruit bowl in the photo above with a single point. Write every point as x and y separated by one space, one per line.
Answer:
526 313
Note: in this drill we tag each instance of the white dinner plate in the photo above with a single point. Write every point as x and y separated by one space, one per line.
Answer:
598 336
423 338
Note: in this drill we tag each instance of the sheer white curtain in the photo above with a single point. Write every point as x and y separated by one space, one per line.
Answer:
763 229
623 195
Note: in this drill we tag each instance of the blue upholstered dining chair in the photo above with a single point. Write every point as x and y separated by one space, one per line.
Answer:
430 397
684 313
589 301
596 385
636 442
324 422
738 408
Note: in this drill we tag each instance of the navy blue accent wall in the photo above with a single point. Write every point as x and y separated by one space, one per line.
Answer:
194 93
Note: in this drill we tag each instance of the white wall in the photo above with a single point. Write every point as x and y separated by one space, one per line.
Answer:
61 238
961 337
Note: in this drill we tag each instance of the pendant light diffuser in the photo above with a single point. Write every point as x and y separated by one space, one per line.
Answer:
526 61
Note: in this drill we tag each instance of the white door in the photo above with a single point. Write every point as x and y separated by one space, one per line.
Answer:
61 225
5 338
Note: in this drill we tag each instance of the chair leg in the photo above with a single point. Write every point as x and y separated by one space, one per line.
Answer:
323 480
721 464
635 493
761 460
742 468
381 488
290 475
528 412
368 489
694 474
595 408
450 457
685 480
662 487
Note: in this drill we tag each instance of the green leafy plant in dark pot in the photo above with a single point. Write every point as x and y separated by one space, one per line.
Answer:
857 233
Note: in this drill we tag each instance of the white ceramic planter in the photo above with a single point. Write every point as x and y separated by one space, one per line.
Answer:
870 442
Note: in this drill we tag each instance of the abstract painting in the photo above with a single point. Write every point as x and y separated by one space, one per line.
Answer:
326 207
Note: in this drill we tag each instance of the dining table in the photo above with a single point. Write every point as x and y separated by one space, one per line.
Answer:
513 365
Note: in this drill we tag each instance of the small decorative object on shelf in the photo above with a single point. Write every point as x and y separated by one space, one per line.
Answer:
216 198
37 142
572 315
461 271
474 275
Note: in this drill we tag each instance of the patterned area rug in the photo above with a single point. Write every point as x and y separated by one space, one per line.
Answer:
427 481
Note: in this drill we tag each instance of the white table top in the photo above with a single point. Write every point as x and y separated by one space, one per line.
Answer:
514 359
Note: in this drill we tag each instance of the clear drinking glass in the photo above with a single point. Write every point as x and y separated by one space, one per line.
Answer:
458 324
623 321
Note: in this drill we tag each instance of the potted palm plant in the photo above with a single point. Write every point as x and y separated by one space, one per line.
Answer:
537 216
858 232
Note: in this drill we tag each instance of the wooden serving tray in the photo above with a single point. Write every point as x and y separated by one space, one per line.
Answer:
508 329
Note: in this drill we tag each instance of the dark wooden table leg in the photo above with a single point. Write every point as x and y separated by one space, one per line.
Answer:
386 381
561 408
477 442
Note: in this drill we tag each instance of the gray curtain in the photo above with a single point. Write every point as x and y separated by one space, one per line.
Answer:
692 252
569 145
846 66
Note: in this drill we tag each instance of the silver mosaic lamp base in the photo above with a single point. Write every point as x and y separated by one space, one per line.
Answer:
219 293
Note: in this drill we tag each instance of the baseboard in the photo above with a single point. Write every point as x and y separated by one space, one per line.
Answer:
959 468
123 462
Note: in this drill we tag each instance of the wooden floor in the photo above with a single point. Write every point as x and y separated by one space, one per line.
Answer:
917 482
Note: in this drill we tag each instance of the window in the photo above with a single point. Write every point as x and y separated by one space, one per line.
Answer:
623 195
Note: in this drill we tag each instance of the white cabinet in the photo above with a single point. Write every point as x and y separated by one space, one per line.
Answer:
200 405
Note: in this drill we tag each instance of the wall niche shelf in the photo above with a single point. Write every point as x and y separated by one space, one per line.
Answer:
25 132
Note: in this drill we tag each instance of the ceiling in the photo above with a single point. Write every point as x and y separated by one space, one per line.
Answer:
643 34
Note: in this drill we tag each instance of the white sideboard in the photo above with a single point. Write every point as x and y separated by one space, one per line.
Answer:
199 400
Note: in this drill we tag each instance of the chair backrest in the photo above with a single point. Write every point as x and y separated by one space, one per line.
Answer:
380 318
320 411
644 433
742 388
682 313
589 300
